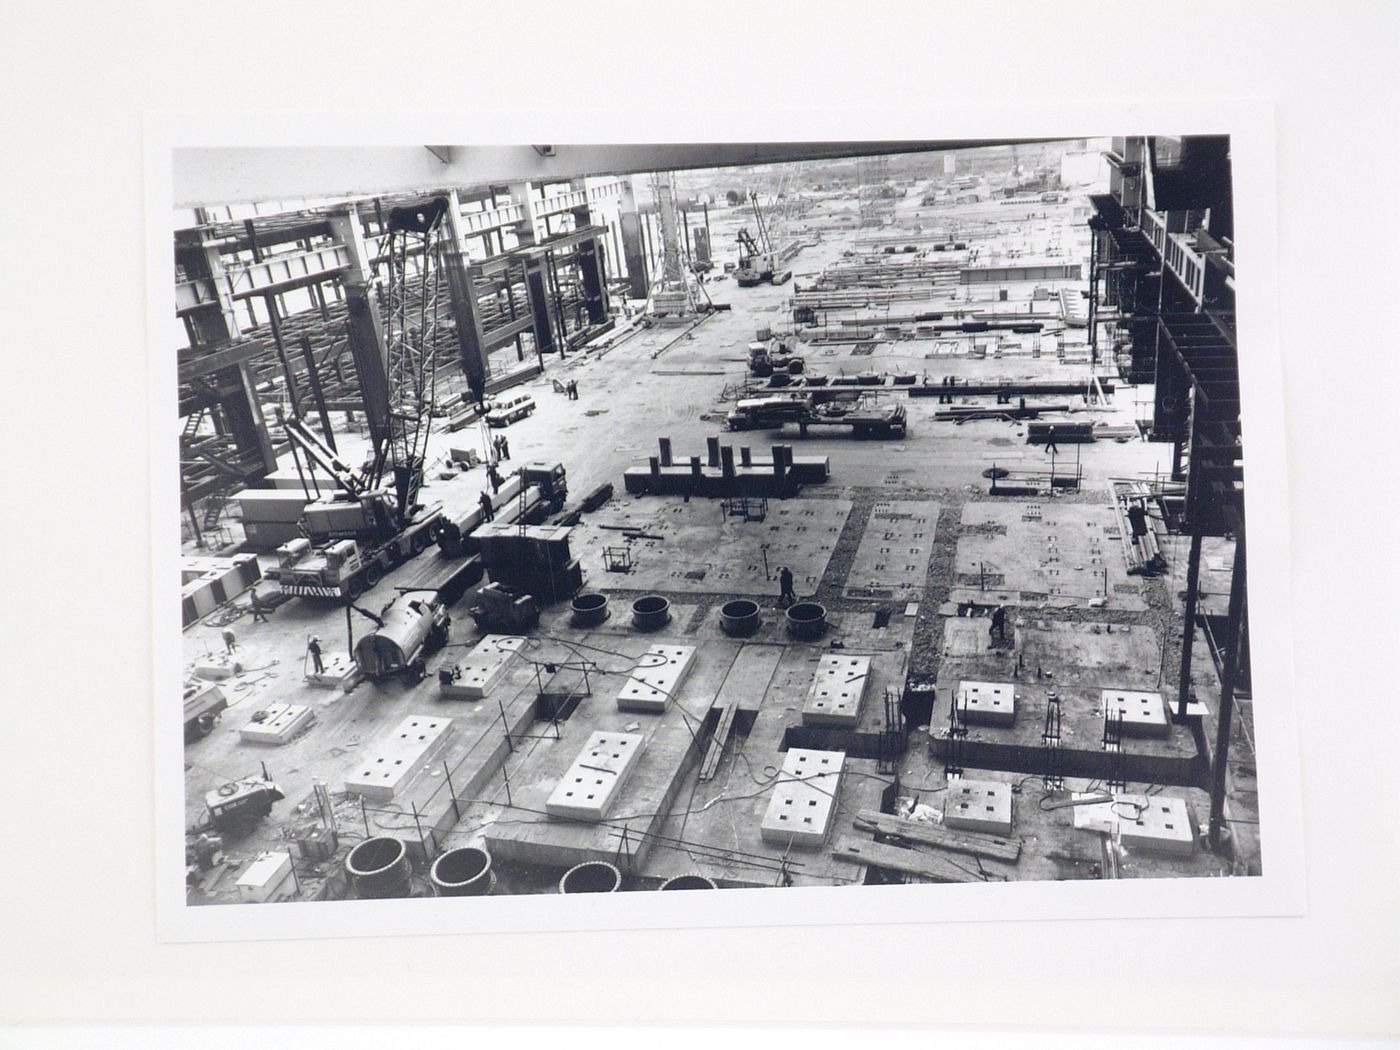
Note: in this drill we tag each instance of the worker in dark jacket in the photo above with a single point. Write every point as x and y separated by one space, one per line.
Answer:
785 582
997 630
313 650
259 609
494 477
487 511
1050 445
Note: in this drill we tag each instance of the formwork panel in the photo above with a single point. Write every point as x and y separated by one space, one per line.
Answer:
838 689
472 677
1144 714
978 805
987 703
652 683
596 777
803 805
280 724
397 756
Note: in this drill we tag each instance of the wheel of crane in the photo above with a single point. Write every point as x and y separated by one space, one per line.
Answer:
355 588
419 541
373 574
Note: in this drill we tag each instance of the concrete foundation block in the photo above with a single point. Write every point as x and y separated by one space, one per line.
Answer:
987 703
282 722
656 679
473 676
838 688
1144 714
1162 825
340 672
803 806
978 805
394 759
595 778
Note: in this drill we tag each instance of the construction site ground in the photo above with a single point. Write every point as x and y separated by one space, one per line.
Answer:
904 546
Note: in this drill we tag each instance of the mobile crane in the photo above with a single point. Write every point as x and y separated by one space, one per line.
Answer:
372 520
757 262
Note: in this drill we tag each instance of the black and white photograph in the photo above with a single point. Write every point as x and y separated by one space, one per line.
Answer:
913 475
564 520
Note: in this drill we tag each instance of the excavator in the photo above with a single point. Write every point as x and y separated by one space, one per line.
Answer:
757 261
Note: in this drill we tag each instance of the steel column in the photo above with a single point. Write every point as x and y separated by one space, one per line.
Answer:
1234 635
1188 632
633 252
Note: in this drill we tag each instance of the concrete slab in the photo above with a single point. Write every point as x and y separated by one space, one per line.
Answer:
472 677
804 798
891 562
1058 554
588 787
987 703
280 723
978 805
691 548
1162 825
838 689
656 678
397 756
1143 713
340 672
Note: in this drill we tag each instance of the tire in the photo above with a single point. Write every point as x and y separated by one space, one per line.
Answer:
204 724
373 574
354 587
419 541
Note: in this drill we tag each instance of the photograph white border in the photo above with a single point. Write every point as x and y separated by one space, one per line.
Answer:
1279 891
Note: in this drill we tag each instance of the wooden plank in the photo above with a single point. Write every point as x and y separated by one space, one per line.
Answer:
723 728
928 866
989 846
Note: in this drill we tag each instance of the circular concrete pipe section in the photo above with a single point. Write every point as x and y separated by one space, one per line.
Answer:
738 618
806 620
589 609
592 876
650 612
689 882
796 366
378 868
464 872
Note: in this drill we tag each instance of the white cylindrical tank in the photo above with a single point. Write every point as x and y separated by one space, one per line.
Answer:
391 648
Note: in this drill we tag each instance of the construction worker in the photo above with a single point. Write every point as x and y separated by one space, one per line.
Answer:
259 609
1137 518
478 391
494 477
573 389
504 447
313 650
1050 445
230 642
788 596
997 630
487 511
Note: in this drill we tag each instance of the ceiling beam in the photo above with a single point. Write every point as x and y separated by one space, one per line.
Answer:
242 175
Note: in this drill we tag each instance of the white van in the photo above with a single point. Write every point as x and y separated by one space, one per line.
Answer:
508 409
